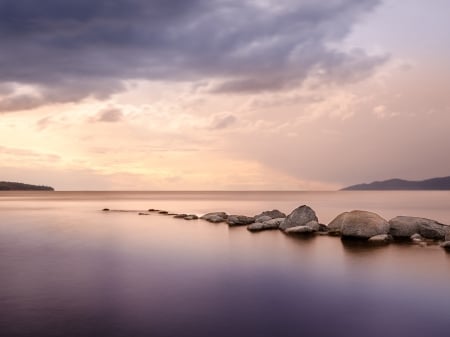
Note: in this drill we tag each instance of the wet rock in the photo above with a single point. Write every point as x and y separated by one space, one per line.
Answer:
163 212
382 238
299 230
180 216
191 217
105 209
273 214
239 220
152 210
299 217
215 217
359 225
266 225
406 226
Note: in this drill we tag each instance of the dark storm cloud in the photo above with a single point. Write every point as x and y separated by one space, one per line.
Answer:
77 48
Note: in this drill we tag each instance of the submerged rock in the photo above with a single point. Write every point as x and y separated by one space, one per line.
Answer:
359 225
105 209
299 217
163 212
142 213
215 217
239 220
266 225
406 226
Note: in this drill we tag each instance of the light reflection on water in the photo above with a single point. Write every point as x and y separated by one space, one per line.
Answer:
67 269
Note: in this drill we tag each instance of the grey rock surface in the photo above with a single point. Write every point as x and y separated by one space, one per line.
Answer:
299 217
406 226
239 220
382 238
262 218
299 230
266 225
273 214
215 217
359 225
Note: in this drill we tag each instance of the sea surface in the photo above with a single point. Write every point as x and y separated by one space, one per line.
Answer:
69 269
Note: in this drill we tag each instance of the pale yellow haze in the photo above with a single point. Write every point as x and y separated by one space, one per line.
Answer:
181 135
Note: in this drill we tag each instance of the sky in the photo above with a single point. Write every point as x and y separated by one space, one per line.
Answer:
223 94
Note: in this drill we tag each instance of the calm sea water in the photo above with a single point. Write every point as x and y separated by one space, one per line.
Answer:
68 269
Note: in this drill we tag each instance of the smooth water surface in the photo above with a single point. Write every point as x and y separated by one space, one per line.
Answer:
68 269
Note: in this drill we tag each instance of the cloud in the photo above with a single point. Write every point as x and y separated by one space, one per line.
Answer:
110 115
83 48
223 121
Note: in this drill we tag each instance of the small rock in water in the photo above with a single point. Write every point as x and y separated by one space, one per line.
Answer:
406 226
273 214
215 217
152 210
262 218
105 209
180 216
266 225
446 245
141 213
299 217
191 217
239 220
163 212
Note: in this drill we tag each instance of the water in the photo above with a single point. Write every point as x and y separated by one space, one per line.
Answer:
68 269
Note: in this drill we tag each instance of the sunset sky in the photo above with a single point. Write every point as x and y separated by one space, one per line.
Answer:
223 94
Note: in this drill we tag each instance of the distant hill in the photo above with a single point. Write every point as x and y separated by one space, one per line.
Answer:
400 184
12 186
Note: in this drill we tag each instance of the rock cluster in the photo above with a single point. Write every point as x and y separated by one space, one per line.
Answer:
357 224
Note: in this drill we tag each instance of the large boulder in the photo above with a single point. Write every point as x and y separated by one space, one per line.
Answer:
239 220
299 217
359 225
273 214
266 225
406 226
215 217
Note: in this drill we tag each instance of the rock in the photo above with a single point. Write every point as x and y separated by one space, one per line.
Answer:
314 225
323 228
191 217
215 217
299 230
359 225
266 225
180 216
105 209
446 245
273 214
382 238
239 220
163 212
416 236
262 218
152 210
299 217
406 226
447 237
141 213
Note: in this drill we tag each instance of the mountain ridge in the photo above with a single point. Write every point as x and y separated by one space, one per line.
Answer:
15 186
432 184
